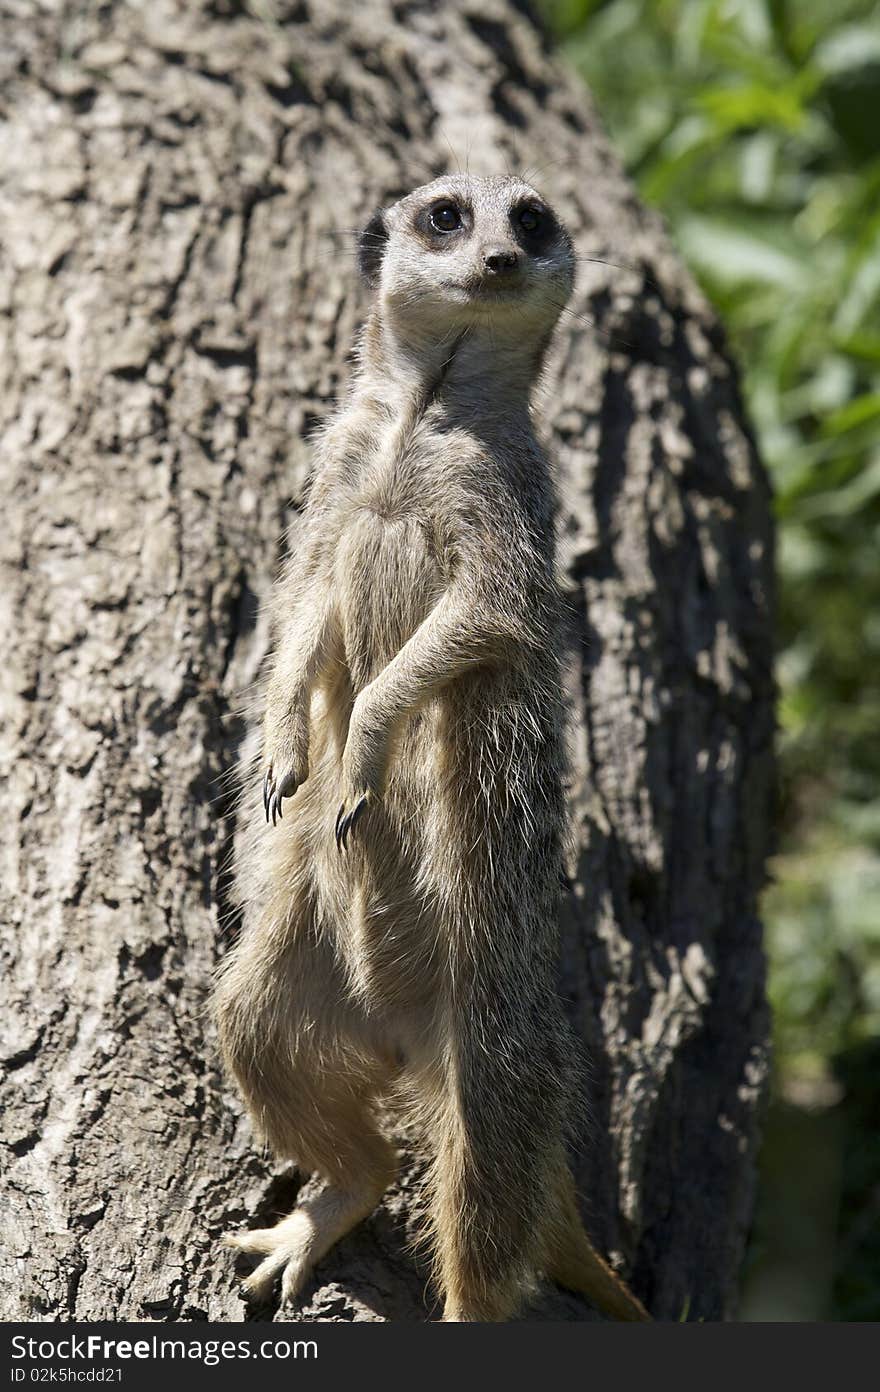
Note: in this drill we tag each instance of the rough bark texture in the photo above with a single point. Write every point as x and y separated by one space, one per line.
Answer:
176 314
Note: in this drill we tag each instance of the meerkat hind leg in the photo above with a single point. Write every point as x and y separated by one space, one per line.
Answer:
311 1072
318 1111
297 1243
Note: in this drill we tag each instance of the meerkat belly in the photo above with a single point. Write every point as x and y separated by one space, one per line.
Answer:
388 581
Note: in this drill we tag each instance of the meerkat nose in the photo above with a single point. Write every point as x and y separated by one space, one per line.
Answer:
499 261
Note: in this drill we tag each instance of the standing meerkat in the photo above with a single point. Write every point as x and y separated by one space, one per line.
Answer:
401 906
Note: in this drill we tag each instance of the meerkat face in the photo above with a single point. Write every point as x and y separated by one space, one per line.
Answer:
466 250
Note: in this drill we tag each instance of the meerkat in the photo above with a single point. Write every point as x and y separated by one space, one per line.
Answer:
401 865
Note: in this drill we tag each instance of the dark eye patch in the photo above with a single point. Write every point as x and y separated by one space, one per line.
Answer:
371 248
533 226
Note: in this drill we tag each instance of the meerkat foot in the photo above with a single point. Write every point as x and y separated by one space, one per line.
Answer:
347 821
285 1249
293 1247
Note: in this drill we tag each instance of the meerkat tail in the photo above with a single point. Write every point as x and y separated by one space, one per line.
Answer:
573 1262
576 1265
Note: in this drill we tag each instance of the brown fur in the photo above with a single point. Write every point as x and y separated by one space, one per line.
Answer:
415 685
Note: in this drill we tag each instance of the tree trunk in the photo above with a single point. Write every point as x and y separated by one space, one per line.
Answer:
177 312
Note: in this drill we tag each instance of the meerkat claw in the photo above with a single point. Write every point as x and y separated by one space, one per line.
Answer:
274 793
356 813
347 823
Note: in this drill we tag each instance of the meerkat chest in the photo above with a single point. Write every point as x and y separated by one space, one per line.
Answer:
388 574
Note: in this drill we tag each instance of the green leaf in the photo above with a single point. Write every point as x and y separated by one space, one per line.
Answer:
732 254
864 346
856 413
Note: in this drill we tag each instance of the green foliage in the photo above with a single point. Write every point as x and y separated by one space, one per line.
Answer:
755 126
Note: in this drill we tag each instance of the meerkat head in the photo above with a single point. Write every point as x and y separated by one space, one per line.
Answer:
464 251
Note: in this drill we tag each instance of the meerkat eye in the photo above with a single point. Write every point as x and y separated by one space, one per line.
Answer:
534 227
530 219
445 218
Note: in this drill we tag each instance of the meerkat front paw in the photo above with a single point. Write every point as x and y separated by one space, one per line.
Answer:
364 765
286 743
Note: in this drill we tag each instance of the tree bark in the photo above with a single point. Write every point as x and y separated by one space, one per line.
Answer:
177 311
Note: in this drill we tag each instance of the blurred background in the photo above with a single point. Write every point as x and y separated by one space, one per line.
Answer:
754 127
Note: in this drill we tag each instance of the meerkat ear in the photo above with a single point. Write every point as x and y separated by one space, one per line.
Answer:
371 247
